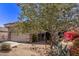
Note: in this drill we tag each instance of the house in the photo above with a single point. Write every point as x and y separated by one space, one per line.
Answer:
13 36
3 33
25 37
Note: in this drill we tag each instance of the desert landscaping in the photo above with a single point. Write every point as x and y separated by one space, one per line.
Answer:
27 49
40 30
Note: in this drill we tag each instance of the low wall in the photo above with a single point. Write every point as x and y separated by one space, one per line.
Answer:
21 37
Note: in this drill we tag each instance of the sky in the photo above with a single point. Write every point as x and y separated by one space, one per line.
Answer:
8 13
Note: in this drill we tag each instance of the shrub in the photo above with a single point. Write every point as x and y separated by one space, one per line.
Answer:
34 38
76 42
5 46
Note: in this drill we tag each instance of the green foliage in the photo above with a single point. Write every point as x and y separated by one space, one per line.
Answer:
34 38
44 17
47 18
5 47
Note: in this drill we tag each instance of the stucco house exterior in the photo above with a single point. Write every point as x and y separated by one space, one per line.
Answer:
8 33
3 33
13 36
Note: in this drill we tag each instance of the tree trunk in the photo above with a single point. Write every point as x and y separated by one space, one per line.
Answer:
52 40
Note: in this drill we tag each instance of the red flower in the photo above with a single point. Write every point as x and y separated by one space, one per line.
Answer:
70 35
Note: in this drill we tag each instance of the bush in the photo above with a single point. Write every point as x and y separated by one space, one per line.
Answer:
5 46
76 42
34 38
75 50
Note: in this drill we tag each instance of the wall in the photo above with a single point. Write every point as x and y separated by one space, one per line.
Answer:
20 37
3 36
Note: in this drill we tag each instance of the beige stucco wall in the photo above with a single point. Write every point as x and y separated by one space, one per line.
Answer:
21 37
3 36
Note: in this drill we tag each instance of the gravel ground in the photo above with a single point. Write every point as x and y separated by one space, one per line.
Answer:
25 49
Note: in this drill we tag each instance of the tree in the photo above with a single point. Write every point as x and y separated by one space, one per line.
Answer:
44 17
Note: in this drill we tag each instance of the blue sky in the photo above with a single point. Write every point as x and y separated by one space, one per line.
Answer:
8 13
